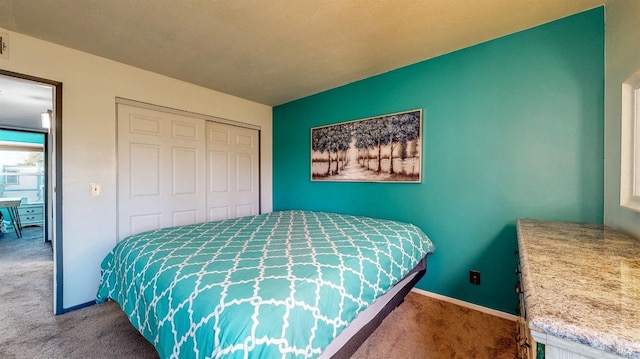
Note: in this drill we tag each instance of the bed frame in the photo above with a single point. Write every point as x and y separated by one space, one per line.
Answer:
352 337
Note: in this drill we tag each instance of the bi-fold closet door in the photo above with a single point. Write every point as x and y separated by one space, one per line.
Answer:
175 169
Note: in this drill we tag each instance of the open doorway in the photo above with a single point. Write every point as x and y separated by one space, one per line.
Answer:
22 183
30 169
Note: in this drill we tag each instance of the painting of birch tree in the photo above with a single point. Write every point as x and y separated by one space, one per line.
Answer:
386 148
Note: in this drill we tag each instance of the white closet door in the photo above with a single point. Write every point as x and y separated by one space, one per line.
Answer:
233 166
161 170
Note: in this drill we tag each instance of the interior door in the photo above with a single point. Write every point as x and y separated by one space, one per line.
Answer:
161 170
233 166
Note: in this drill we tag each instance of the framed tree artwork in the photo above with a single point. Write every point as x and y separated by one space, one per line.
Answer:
385 148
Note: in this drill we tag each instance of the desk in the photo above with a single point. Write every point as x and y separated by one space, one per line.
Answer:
12 204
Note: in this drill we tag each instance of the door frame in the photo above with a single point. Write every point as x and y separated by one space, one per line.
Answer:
55 184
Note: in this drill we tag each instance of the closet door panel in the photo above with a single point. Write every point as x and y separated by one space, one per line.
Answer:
244 175
245 210
161 170
174 169
185 171
233 154
185 217
219 213
218 172
145 222
144 169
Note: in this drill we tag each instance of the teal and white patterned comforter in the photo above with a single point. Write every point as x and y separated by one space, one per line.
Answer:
276 285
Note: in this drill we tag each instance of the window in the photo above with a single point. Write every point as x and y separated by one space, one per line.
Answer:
630 144
12 179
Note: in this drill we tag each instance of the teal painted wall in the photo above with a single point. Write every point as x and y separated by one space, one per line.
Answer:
512 128
19 136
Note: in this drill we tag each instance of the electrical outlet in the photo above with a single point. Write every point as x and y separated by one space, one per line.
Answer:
474 277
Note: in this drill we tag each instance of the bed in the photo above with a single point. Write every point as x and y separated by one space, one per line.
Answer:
294 284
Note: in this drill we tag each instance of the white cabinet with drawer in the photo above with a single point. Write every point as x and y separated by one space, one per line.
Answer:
31 214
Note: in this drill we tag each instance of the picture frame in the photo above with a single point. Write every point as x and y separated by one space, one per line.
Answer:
385 148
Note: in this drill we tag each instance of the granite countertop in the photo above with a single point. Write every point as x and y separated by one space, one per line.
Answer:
581 283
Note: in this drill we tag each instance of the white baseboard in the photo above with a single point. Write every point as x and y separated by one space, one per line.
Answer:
462 303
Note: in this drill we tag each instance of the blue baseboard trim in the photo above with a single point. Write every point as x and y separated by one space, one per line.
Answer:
79 306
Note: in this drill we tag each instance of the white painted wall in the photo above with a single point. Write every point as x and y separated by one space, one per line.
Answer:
622 58
90 86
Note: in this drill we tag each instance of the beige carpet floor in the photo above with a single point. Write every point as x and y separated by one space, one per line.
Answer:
421 327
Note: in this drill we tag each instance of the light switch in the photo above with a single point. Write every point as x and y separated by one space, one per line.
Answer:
96 189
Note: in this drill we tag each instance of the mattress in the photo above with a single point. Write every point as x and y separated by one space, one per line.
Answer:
281 284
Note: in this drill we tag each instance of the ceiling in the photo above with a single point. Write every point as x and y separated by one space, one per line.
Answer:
22 102
275 51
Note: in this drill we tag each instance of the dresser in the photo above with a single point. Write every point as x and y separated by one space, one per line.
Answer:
580 288
31 214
